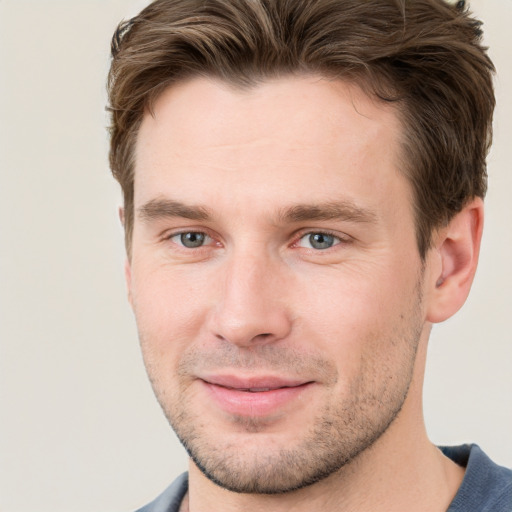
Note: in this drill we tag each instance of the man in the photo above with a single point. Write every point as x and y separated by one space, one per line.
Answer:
303 185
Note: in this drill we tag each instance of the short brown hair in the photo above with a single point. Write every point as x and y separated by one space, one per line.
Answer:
424 56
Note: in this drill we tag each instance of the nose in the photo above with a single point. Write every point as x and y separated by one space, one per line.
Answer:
251 309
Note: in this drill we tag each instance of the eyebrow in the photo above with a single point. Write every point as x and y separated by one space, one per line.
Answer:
156 209
337 210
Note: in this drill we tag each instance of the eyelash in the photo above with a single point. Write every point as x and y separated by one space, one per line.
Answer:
338 240
189 231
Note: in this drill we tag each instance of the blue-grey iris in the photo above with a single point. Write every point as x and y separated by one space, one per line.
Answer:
192 239
321 240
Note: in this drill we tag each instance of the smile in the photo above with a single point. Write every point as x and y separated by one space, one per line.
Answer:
253 397
257 390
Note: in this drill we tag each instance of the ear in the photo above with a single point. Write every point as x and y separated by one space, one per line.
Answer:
128 279
456 250
127 265
121 215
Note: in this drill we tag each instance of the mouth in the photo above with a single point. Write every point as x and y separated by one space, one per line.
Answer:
262 396
258 390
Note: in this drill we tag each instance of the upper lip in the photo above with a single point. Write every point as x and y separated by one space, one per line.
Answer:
258 383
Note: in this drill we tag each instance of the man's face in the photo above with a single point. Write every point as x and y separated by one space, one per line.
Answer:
274 276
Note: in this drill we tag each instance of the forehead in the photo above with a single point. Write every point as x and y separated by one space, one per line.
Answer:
300 135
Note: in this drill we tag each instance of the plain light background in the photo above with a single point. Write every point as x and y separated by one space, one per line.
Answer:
79 427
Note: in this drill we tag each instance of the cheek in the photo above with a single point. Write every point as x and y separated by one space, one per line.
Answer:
359 314
170 311
352 299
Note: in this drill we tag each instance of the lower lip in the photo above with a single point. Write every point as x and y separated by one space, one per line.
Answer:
261 403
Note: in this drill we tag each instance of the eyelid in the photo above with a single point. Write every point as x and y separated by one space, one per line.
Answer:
170 234
342 238
207 239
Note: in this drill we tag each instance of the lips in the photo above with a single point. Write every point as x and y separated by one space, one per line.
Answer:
252 383
256 390
254 396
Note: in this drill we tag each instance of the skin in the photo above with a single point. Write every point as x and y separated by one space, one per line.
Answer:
343 323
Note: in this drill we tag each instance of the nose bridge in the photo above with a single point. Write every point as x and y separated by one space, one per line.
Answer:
251 308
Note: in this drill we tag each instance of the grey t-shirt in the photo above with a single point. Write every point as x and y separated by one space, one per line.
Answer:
486 487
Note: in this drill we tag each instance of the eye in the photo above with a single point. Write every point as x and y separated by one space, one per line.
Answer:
191 239
318 241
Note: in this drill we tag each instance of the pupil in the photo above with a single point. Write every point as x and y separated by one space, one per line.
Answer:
192 239
321 240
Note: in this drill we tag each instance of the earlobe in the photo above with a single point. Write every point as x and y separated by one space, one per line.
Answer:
457 248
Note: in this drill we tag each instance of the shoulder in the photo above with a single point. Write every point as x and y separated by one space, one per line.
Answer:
170 500
486 486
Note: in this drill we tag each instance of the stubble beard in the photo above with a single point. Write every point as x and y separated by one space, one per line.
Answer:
339 433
